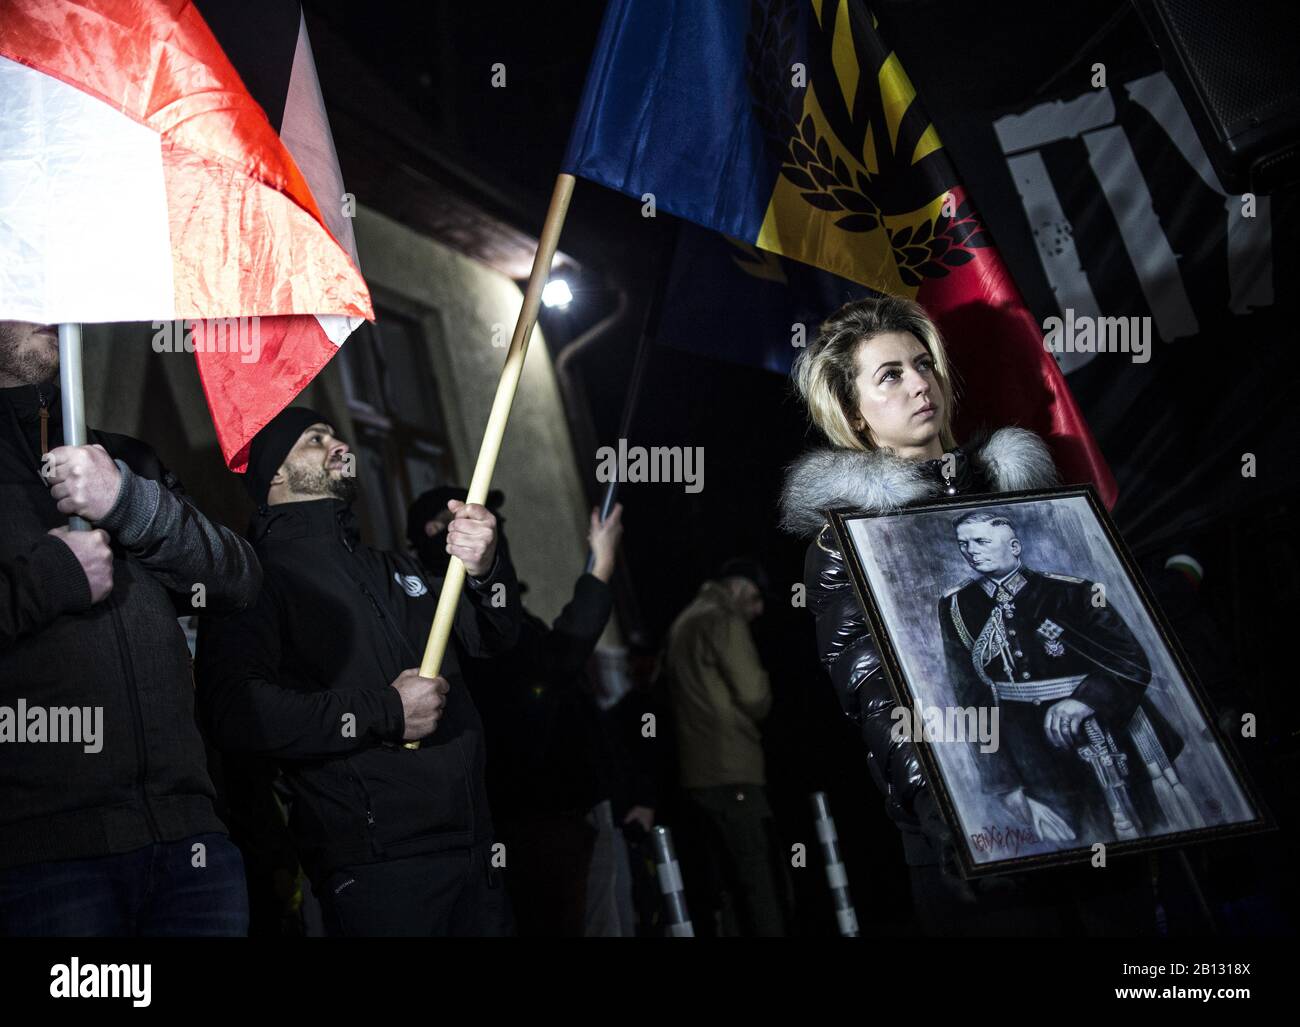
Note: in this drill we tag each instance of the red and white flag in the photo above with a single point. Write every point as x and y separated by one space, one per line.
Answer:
140 180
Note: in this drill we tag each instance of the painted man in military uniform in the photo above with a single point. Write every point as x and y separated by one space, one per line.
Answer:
1069 680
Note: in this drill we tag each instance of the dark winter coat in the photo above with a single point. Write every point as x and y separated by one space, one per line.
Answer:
126 654
547 749
305 677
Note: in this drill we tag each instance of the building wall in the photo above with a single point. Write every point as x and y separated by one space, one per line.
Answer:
471 306
464 306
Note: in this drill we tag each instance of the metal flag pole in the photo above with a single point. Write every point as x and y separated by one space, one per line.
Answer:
649 329
449 597
634 393
73 401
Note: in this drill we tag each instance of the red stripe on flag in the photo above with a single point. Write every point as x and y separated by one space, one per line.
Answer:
244 395
1006 376
257 254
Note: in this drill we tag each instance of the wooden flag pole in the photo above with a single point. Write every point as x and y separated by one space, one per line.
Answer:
449 597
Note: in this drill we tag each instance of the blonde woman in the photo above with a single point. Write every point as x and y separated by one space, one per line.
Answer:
878 385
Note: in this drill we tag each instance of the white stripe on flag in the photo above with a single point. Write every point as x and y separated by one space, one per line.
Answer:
337 327
305 131
78 180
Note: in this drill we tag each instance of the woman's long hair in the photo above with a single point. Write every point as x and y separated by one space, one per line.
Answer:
826 372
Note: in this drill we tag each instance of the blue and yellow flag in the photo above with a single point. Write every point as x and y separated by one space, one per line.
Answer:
788 125
781 123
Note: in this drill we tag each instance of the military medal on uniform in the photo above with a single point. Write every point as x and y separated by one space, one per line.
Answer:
1051 633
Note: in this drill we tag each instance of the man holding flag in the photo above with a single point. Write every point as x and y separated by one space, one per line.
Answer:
213 195
321 675
107 825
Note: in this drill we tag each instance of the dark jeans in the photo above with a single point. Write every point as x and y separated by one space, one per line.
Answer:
735 824
456 894
156 891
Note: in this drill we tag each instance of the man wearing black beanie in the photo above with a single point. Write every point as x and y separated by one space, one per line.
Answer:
322 676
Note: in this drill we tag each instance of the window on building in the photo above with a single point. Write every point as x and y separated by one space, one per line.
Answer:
401 442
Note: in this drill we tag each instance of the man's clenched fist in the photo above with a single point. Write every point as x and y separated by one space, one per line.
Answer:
96 558
83 479
472 536
423 700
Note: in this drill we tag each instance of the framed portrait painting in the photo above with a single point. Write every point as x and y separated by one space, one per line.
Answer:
1049 702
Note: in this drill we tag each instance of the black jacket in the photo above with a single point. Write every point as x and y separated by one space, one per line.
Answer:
1010 459
126 654
304 677
547 749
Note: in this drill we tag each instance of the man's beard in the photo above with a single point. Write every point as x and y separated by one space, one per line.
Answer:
319 482
29 365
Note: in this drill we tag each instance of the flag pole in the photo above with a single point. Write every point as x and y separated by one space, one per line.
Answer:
449 597
73 401
611 490
649 331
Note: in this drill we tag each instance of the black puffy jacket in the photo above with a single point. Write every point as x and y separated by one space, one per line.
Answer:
852 480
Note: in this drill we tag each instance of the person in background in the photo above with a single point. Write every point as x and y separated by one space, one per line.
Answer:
720 693
640 742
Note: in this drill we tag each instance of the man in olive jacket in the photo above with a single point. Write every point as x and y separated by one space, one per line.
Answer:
720 692
107 824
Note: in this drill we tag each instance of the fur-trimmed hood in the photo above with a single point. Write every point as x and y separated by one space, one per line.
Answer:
878 480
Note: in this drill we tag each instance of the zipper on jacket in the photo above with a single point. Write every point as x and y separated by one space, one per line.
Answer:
392 631
390 628
375 847
43 400
342 536
469 788
141 751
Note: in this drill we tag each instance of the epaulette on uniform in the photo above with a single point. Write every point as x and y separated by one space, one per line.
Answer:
957 588
1062 577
